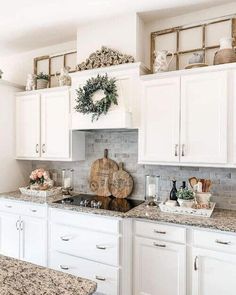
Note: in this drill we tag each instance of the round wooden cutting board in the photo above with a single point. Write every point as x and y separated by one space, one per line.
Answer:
122 183
101 175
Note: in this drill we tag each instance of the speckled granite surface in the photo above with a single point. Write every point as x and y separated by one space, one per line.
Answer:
21 278
221 219
224 220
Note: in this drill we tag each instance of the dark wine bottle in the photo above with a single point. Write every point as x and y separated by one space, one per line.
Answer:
173 191
183 186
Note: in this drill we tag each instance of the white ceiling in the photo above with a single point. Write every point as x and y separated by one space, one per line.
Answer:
30 24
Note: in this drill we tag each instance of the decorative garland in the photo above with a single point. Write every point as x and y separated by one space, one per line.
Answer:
84 100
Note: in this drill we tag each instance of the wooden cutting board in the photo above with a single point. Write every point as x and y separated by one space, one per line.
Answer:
101 175
122 183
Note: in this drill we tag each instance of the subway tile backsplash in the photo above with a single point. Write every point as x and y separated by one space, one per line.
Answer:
123 146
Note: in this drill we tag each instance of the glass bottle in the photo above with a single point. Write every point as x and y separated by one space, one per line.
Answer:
152 189
173 191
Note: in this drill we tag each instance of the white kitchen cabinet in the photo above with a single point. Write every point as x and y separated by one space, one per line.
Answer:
9 235
23 236
204 118
184 119
33 240
159 133
28 126
213 272
43 128
159 267
55 134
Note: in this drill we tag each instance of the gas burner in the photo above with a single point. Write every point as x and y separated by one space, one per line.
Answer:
107 203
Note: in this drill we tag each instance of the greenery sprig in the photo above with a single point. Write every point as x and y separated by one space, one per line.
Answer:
185 194
42 76
84 100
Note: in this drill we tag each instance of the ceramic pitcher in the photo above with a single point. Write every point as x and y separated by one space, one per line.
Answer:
160 63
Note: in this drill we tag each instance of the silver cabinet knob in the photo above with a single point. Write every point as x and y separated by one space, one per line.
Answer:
159 245
43 148
222 242
183 150
100 278
101 247
176 150
65 239
37 148
64 267
159 232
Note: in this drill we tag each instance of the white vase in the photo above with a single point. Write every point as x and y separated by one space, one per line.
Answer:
185 203
226 43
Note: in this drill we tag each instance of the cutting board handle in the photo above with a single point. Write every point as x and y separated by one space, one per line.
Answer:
121 166
106 153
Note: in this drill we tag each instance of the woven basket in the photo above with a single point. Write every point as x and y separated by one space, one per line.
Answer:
224 56
42 83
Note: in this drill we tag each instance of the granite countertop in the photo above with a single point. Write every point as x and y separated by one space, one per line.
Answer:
221 219
20 278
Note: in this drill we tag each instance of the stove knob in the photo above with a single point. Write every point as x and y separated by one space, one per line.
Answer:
82 203
99 204
93 204
86 203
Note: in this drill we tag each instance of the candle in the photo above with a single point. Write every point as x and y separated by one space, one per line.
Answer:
151 190
67 182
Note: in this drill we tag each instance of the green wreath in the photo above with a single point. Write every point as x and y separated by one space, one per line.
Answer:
84 100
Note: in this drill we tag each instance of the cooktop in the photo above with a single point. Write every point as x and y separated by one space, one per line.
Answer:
98 202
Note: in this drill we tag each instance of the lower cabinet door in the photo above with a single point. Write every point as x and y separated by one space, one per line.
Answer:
159 268
9 235
213 272
106 277
33 240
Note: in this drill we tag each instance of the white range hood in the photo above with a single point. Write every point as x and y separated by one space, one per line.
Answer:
125 115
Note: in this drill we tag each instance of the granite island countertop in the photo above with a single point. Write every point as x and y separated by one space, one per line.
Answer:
20 278
221 219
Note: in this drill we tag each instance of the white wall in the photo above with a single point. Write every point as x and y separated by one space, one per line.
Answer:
13 173
190 18
118 33
17 66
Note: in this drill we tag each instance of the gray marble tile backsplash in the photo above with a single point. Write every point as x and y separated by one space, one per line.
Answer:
123 146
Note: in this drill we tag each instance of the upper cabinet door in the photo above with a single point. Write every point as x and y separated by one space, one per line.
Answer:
160 109
55 135
204 118
28 126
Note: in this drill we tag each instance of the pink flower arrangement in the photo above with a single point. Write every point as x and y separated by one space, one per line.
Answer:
39 176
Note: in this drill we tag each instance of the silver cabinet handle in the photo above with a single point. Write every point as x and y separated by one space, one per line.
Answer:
159 232
37 148
18 225
100 278
8 206
222 242
176 150
101 247
64 267
183 150
21 225
33 210
65 239
195 263
43 148
159 245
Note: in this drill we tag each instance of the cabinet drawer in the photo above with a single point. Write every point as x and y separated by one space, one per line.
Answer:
105 276
23 208
160 231
92 222
214 240
101 247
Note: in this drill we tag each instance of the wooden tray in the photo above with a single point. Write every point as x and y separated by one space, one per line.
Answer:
188 211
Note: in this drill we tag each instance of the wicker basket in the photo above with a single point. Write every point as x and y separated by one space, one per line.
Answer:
224 56
42 83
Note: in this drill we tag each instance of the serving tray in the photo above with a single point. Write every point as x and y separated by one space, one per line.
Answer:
188 211
40 193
